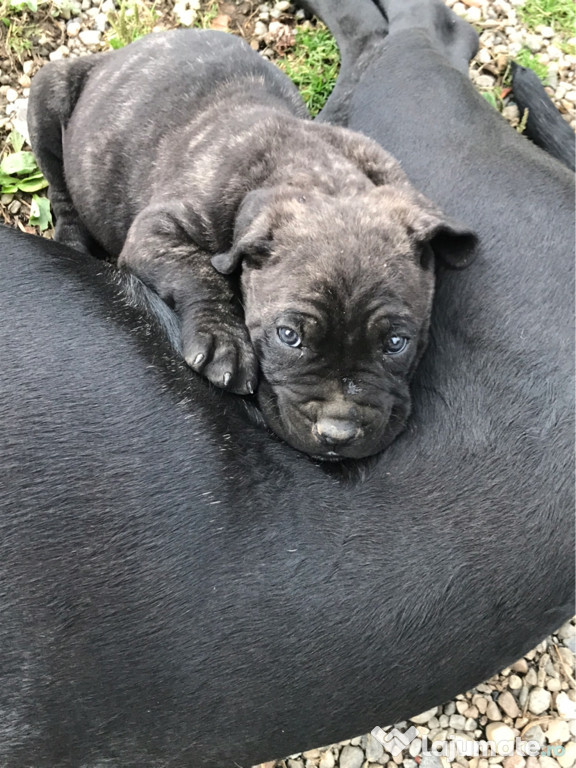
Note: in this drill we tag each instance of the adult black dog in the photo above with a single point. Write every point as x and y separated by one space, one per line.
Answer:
180 589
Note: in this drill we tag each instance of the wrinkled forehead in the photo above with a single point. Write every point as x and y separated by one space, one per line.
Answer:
359 295
337 229
337 308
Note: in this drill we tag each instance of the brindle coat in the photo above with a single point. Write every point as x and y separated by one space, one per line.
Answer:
187 153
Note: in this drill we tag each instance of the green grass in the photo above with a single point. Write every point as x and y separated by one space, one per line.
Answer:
132 20
205 18
10 7
527 59
136 18
568 48
18 37
493 98
558 14
313 65
15 16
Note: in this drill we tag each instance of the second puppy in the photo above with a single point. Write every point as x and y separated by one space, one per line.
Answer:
189 156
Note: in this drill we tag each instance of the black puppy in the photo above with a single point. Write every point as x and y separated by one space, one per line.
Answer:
217 168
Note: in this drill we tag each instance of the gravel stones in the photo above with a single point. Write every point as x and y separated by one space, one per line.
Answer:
424 717
539 700
327 760
558 732
568 759
535 733
531 678
571 641
493 711
480 702
502 36
566 630
515 682
514 761
374 750
473 14
499 732
508 705
186 11
547 762
73 28
351 757
458 722
90 37
60 53
566 706
260 29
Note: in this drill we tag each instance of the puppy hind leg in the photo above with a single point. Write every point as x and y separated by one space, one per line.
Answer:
359 28
453 37
53 96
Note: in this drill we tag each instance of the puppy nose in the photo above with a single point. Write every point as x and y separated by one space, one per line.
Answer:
335 431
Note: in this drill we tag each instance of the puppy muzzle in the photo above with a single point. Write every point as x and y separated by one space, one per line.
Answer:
333 429
336 433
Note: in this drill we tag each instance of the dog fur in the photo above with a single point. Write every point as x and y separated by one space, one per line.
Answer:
219 169
179 589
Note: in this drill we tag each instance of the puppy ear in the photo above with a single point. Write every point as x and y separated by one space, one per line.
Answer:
453 243
252 232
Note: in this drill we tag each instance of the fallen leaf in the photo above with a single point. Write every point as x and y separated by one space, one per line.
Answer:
221 23
280 36
501 62
23 228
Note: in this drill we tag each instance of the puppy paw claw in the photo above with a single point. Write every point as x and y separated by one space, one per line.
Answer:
223 354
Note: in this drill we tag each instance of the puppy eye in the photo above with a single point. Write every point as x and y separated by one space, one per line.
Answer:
395 344
289 336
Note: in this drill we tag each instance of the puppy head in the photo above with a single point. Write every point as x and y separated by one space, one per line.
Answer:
337 298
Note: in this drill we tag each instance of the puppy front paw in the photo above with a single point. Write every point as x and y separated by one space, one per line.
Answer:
223 353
